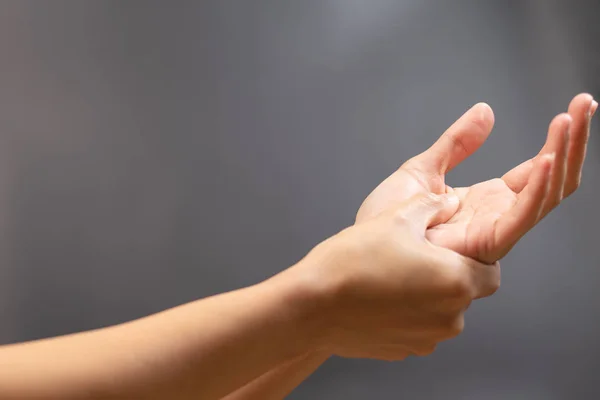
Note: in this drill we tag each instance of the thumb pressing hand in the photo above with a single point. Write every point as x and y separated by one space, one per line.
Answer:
426 210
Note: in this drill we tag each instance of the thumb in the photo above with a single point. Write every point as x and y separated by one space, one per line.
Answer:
424 211
460 140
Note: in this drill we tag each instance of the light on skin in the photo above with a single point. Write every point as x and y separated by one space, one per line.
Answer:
395 283
481 204
378 290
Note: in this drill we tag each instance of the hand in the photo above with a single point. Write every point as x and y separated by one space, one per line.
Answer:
495 214
388 291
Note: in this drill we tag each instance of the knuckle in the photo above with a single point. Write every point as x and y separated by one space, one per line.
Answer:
495 280
400 217
455 326
424 350
459 141
458 284
495 286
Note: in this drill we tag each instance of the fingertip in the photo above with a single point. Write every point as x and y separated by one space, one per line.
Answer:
588 96
564 122
459 141
580 100
561 120
565 118
485 115
584 96
485 107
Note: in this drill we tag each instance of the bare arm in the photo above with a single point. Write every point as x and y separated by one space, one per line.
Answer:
281 381
354 295
205 349
457 143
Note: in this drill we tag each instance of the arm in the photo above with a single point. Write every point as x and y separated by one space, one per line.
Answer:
376 290
463 138
281 381
204 349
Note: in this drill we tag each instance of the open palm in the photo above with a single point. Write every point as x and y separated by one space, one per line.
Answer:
493 215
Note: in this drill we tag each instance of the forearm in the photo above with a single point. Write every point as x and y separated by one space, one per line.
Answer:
281 381
205 349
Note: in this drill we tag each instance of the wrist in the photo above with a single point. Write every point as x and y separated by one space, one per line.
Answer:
314 286
306 297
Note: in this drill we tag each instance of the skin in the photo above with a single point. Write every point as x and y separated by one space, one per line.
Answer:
492 216
379 290
279 382
383 288
372 317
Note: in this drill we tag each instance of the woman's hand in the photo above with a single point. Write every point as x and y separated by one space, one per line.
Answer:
495 214
386 291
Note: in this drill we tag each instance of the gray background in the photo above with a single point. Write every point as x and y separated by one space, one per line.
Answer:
156 152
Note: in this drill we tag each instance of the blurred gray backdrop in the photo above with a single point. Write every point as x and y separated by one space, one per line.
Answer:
154 152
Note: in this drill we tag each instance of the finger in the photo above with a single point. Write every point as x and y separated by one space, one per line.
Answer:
388 352
478 278
428 210
423 350
581 110
558 143
525 213
516 179
485 278
414 347
459 141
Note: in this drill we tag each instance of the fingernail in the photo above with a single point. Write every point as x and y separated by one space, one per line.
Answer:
593 108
